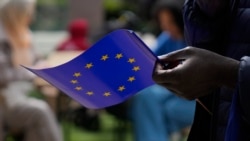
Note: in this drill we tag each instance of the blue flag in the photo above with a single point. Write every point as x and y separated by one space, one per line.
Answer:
112 70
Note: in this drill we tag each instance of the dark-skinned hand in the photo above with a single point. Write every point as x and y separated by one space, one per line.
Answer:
198 72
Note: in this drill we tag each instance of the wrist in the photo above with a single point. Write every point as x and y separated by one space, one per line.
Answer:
229 73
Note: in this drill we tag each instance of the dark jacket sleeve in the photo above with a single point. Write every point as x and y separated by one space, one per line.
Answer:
244 87
204 31
212 8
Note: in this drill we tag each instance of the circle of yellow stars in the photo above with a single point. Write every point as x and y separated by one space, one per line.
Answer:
105 58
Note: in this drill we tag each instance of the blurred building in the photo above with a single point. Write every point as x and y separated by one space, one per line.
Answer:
91 10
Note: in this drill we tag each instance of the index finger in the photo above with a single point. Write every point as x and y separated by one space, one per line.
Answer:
161 75
181 54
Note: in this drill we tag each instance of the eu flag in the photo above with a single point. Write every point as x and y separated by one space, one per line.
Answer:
112 70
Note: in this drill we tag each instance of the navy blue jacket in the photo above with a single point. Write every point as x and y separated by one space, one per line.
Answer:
222 26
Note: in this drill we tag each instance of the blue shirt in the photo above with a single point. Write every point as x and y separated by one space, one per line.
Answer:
165 44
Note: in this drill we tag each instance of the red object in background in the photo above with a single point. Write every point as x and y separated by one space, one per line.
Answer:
78 30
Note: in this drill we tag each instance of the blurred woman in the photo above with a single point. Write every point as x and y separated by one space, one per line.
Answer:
157 112
20 114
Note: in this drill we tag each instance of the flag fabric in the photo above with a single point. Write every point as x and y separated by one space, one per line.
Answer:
112 70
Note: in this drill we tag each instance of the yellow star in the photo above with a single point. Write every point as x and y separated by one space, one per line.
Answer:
89 65
131 79
131 60
90 93
105 57
136 68
107 94
121 88
78 88
74 81
119 56
77 74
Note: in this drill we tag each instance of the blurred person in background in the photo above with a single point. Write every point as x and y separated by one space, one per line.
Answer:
77 40
19 114
157 112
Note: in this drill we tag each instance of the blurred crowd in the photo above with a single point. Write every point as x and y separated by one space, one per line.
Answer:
156 114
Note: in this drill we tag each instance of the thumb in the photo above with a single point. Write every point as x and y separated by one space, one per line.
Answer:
177 55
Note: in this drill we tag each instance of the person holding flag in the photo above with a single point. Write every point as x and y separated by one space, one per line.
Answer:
219 82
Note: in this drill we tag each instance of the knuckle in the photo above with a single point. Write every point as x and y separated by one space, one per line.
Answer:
189 50
189 47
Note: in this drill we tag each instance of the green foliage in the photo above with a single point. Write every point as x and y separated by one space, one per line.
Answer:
36 94
52 2
113 5
107 132
51 15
